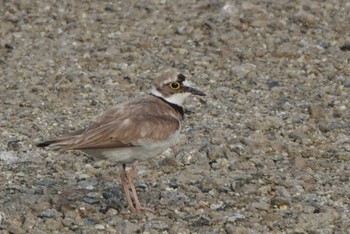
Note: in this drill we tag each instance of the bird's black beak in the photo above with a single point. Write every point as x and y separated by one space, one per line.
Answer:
195 91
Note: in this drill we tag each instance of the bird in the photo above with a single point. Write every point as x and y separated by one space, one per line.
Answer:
136 130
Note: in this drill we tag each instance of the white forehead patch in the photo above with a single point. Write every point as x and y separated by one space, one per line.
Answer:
187 83
168 81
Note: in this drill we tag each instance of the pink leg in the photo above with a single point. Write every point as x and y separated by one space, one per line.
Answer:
131 181
125 183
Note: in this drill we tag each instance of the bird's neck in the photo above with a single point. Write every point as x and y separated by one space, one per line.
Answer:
179 109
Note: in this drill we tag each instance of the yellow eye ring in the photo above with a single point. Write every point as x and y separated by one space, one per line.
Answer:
174 85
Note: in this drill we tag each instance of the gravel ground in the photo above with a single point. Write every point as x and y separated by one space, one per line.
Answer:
267 151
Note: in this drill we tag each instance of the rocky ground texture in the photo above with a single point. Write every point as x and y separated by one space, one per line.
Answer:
267 151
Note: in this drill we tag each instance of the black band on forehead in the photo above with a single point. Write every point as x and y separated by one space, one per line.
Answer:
181 77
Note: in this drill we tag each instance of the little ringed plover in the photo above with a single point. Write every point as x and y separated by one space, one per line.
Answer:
133 131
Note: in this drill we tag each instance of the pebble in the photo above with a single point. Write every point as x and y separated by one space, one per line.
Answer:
217 206
306 18
48 213
344 156
235 217
216 152
243 70
9 157
52 224
126 226
156 224
300 163
91 201
342 140
84 184
100 227
287 50
185 158
81 176
316 221
173 196
228 10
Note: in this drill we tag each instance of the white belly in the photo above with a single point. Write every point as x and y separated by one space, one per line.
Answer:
125 155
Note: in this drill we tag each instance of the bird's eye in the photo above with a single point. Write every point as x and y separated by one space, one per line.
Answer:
174 85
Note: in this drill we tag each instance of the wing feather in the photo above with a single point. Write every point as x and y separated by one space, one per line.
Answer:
127 133
126 125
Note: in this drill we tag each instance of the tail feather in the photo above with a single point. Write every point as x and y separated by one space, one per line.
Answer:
58 144
46 143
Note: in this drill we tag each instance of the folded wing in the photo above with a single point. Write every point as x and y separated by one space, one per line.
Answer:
116 128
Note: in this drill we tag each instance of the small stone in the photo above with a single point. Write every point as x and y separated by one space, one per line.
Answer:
91 201
235 217
81 176
15 227
99 227
316 220
182 51
287 50
156 224
48 213
217 206
173 197
84 184
2 217
220 163
243 70
279 201
261 205
14 145
305 18
228 10
20 174
344 156
45 183
269 218
203 204
345 47
237 148
300 163
111 212
103 164
53 225
272 84
94 195
77 166
127 227
186 158
316 112
342 140
215 152
169 165
8 157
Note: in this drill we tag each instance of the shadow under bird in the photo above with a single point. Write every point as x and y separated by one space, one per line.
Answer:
133 131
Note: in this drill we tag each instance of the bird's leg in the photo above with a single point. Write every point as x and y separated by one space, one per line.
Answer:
125 182
131 176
